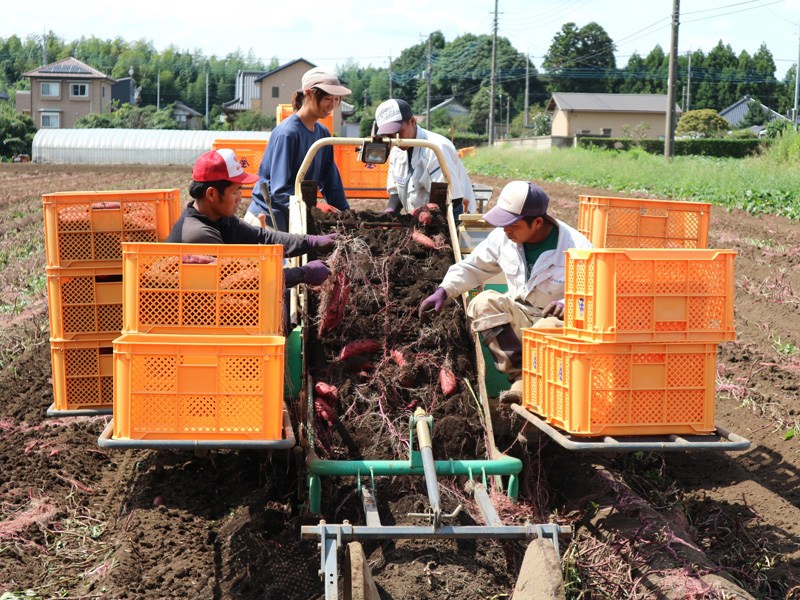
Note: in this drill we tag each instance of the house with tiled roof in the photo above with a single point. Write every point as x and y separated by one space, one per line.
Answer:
606 114
737 111
63 92
264 91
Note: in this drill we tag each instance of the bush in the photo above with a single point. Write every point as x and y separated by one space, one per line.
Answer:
705 122
130 117
253 120
16 132
777 128
742 134
729 147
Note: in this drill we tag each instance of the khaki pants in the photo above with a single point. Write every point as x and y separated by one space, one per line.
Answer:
491 309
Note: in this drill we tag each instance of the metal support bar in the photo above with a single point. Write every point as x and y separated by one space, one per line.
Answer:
425 446
349 533
720 439
329 542
370 507
485 506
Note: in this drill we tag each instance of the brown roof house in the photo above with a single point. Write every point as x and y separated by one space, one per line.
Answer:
605 114
63 92
264 91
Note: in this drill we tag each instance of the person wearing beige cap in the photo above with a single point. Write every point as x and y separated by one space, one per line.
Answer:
288 144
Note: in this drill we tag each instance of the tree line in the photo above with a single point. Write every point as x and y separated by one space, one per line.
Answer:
579 59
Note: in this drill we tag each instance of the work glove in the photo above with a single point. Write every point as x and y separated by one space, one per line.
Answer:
389 210
554 309
321 243
434 302
327 208
315 272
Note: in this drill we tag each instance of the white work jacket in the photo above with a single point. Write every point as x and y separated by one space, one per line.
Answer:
412 183
497 253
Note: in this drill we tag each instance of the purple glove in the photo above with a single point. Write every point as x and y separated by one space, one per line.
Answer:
315 272
434 302
389 210
554 309
321 243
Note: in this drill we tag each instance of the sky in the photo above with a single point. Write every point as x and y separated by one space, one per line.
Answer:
333 33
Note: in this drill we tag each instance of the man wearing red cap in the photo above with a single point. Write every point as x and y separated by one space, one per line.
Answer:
211 217
528 247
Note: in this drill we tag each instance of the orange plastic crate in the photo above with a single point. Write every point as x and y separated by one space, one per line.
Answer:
186 387
360 180
83 373
618 295
604 388
240 293
641 223
88 228
84 302
249 153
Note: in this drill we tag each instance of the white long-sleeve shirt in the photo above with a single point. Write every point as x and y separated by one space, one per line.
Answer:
412 182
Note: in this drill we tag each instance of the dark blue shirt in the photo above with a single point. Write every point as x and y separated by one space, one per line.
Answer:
287 147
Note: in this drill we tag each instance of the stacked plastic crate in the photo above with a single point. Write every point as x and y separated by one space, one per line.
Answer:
637 355
84 233
201 356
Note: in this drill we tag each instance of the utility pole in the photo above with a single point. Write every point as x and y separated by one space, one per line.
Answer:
44 47
669 137
206 99
365 99
158 91
428 104
689 84
501 113
494 66
527 85
796 81
508 114
390 77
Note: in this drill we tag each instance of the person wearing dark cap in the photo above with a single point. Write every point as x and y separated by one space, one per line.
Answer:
288 144
528 247
413 169
211 218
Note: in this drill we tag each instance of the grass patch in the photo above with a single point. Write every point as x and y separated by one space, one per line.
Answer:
765 184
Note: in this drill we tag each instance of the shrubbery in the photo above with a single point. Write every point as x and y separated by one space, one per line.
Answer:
731 148
16 132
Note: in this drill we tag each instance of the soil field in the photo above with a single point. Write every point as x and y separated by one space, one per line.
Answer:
80 522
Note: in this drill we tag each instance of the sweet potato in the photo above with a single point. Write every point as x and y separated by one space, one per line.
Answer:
425 218
334 301
106 206
246 279
359 348
397 357
324 411
424 241
328 392
198 259
448 381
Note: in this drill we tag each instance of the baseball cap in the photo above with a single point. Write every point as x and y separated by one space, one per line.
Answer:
390 115
324 79
518 199
218 165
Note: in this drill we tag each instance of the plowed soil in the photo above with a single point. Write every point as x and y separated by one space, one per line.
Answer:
77 521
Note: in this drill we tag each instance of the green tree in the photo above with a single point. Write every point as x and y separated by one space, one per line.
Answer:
704 122
253 120
714 84
756 115
16 132
580 60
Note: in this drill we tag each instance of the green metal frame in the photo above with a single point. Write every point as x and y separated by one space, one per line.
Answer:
318 468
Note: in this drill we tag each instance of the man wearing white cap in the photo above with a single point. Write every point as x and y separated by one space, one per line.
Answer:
528 247
288 144
413 169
